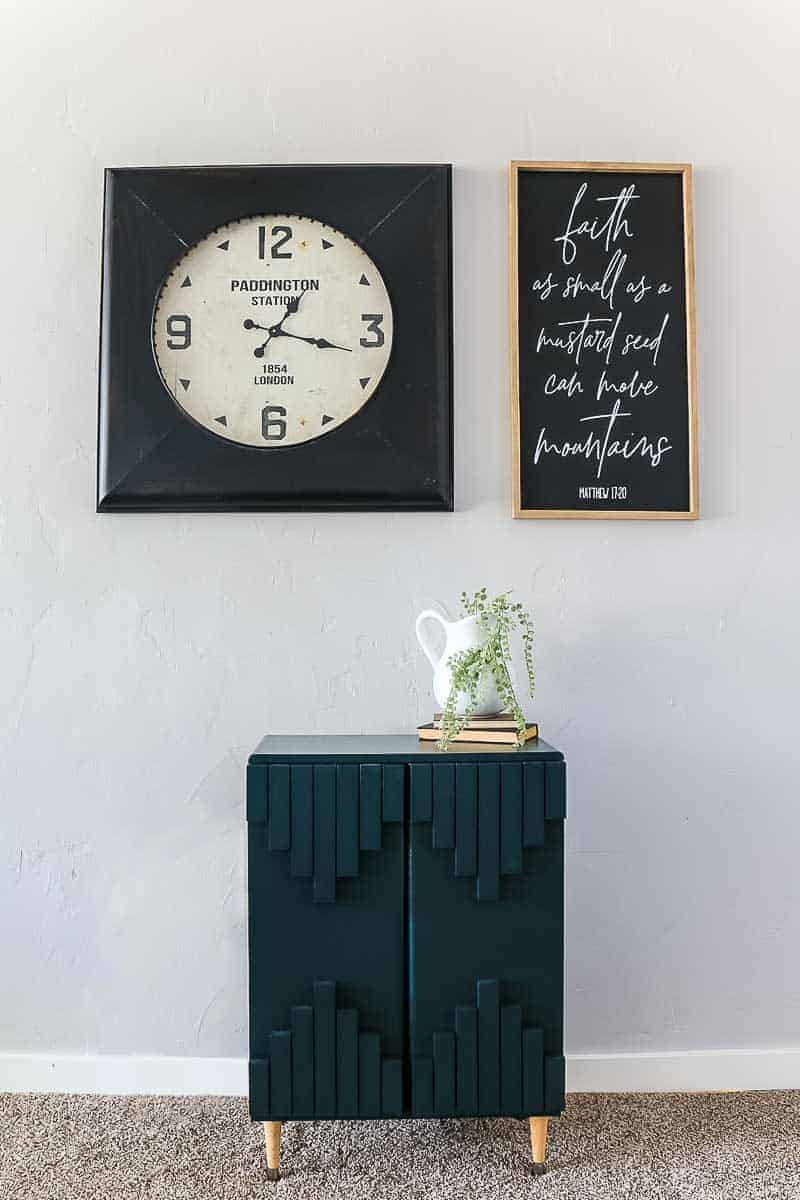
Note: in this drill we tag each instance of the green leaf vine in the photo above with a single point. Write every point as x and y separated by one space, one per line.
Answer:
498 617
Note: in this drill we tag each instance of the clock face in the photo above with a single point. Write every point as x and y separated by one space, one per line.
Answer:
273 330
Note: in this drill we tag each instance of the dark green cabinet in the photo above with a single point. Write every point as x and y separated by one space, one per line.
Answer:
406 929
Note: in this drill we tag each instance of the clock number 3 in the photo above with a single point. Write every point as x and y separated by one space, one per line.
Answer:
283 233
179 328
273 428
373 326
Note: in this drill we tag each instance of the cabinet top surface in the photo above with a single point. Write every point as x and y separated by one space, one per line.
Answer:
405 747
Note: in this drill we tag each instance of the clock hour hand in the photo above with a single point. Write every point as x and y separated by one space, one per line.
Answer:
273 330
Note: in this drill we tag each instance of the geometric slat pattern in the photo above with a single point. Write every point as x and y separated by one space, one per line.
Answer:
323 1065
324 815
488 1064
487 813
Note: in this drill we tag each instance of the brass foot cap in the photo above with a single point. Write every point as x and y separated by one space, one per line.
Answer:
273 1174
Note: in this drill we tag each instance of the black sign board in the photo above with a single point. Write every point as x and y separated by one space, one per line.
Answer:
602 340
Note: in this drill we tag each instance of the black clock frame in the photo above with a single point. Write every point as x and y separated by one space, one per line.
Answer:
394 454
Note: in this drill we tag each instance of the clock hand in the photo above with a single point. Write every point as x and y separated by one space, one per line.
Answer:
291 307
259 350
320 343
273 330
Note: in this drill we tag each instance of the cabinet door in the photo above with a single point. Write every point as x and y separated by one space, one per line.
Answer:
486 938
327 896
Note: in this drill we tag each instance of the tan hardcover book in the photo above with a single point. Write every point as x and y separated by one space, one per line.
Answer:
495 721
476 747
500 737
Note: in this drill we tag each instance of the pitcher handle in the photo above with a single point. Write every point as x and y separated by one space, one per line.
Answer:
423 639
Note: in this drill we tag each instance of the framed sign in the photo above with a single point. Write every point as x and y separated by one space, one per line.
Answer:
603 392
276 338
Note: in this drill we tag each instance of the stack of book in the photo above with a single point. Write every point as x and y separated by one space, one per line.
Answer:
499 729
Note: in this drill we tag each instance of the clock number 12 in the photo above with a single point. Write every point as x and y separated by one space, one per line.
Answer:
283 233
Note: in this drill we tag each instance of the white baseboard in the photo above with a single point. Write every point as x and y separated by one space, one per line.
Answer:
674 1071
123 1075
685 1071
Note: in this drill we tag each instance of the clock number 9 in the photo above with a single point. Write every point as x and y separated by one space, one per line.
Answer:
373 326
270 424
179 326
283 234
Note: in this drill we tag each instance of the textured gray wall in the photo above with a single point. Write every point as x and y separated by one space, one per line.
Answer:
143 656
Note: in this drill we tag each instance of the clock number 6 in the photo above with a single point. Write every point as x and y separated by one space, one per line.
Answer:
179 326
373 326
283 234
270 424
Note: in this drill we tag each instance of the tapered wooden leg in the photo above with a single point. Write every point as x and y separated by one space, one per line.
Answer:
272 1136
538 1143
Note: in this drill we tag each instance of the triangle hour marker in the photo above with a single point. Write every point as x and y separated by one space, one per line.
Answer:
364 281
326 419
186 383
222 421
187 282
326 245
364 381
223 245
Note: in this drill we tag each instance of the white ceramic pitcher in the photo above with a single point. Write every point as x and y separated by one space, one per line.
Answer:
459 635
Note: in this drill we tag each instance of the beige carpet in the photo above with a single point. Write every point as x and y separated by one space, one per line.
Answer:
735 1146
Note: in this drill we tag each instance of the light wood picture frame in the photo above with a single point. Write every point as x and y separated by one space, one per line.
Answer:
691 510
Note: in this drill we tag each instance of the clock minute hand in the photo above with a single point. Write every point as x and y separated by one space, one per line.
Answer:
320 343
324 344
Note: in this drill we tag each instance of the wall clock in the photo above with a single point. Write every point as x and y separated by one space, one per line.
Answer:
276 338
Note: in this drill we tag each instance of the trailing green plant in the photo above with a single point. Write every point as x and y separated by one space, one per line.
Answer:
498 617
